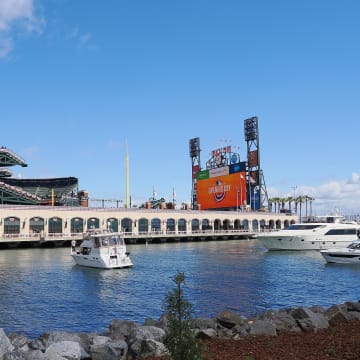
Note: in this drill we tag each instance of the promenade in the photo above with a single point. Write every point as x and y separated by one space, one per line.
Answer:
37 225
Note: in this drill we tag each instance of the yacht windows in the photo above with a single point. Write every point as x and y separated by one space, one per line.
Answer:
303 226
341 232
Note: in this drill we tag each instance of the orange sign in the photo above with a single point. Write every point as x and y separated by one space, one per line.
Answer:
222 191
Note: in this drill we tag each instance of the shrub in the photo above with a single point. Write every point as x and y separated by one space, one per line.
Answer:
179 337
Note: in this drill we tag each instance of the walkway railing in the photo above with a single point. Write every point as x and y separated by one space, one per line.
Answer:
197 234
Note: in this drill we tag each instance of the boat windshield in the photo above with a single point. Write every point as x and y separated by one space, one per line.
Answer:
111 240
303 226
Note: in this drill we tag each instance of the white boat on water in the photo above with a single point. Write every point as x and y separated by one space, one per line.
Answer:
101 249
318 233
347 255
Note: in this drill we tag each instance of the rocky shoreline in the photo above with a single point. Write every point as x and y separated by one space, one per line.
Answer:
125 340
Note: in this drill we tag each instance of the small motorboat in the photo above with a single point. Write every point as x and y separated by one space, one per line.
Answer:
101 249
347 255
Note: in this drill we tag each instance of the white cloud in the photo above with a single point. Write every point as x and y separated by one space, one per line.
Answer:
342 194
16 13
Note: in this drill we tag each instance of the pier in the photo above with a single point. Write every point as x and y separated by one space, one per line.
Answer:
28 226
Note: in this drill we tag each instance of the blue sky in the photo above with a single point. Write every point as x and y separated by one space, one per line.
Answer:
80 78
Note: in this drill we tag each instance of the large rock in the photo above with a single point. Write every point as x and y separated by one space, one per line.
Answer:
337 313
5 344
282 319
121 329
309 321
68 350
147 341
109 350
53 337
262 327
229 319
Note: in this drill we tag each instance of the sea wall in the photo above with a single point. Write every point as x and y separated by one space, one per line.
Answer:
125 340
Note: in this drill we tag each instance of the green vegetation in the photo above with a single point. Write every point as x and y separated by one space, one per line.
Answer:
180 339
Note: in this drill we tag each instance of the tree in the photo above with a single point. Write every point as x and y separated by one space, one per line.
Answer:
179 337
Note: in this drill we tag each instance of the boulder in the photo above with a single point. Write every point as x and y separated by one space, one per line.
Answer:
69 350
229 319
109 350
5 344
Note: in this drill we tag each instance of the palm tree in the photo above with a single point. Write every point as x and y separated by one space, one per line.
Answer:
289 199
270 203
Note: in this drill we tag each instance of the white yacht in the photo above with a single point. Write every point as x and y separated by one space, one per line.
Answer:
315 234
347 255
101 249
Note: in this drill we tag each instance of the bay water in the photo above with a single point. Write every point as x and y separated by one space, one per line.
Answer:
41 289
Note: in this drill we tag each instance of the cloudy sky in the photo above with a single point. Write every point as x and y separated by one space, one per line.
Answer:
81 79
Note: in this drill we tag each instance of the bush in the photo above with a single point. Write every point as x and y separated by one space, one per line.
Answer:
179 338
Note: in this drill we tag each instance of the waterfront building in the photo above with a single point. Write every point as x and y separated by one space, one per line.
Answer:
34 224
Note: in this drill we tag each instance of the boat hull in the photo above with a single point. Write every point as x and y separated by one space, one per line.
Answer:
300 243
95 262
339 257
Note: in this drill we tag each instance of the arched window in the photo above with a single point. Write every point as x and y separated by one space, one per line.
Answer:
245 224
278 224
155 225
255 225
182 225
143 225
11 225
126 225
112 224
170 225
55 225
37 225
226 224
77 225
205 224
217 224
195 225
93 223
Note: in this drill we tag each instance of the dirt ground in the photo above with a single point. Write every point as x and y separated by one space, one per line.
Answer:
340 342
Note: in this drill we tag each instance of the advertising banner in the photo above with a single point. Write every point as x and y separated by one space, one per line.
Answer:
253 158
227 191
195 170
204 174
234 168
219 171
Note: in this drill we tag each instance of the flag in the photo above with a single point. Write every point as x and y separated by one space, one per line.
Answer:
174 194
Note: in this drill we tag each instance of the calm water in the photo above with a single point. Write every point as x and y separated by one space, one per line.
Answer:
42 289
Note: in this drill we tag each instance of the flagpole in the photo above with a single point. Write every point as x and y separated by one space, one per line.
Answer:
127 176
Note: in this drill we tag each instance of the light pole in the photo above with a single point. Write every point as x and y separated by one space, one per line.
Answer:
241 202
254 197
237 199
